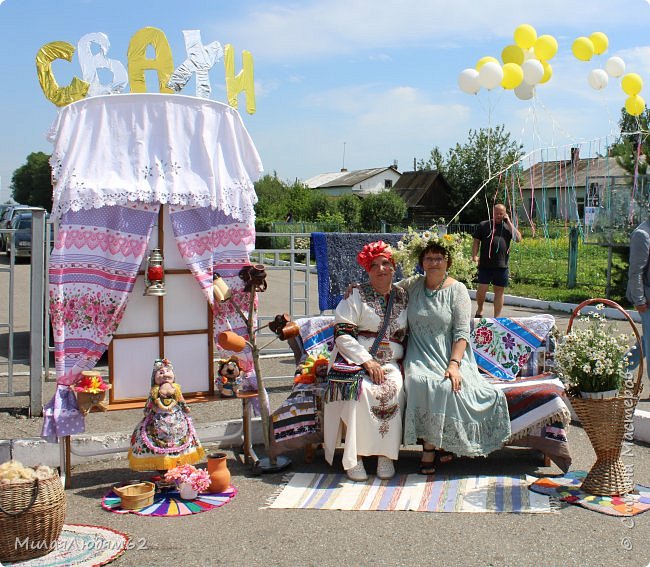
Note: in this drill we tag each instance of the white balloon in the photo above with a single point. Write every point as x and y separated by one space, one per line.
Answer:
598 79
468 81
533 71
615 67
490 75
529 54
525 91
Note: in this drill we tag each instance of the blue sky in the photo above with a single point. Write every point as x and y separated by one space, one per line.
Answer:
379 77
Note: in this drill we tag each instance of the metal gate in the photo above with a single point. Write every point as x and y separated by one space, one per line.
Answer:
15 383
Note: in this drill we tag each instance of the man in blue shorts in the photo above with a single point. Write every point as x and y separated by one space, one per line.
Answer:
493 238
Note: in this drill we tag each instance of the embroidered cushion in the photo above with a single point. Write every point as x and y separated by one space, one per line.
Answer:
503 347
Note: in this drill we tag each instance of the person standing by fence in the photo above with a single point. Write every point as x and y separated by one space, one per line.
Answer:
493 238
638 281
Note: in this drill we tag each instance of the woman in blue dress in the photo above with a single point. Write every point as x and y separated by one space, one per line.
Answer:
450 407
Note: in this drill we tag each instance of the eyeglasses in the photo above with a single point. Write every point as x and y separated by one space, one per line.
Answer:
434 259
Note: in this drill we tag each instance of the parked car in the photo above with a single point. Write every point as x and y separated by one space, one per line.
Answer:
5 220
22 224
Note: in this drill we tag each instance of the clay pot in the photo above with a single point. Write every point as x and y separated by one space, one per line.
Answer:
219 473
254 277
291 329
231 341
279 322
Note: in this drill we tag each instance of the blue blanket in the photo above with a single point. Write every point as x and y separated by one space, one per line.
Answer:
336 262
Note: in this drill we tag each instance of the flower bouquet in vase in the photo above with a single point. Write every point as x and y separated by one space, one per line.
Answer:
594 363
189 480
90 390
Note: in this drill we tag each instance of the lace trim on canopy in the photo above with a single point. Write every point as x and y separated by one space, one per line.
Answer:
237 200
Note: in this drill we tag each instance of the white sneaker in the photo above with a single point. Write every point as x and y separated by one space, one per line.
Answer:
357 472
385 468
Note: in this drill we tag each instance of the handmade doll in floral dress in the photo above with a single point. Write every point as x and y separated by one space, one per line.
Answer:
165 437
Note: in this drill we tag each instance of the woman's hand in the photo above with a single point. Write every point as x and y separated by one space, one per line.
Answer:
375 371
453 374
348 292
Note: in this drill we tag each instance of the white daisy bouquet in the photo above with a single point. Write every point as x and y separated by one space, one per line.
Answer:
593 358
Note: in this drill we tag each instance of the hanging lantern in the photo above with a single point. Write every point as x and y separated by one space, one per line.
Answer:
154 275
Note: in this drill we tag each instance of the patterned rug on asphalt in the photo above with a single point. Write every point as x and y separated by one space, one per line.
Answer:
439 493
169 503
83 546
567 489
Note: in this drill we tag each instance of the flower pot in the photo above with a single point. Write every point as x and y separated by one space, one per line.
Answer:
599 395
231 341
186 491
219 473
86 401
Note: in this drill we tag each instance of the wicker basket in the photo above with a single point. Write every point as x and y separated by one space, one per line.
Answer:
31 518
604 422
136 496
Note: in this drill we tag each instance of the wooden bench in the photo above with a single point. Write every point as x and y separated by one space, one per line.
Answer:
538 412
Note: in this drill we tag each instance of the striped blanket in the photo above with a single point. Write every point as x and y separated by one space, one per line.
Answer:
413 492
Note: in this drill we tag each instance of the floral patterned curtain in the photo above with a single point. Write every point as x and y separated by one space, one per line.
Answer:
210 242
93 267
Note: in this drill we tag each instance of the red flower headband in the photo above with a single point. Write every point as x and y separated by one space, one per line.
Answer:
371 251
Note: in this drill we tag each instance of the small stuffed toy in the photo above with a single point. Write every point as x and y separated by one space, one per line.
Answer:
228 374
314 369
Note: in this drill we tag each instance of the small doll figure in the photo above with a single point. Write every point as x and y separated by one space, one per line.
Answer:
165 437
228 376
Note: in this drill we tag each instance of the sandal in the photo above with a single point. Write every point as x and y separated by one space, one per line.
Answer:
445 457
427 468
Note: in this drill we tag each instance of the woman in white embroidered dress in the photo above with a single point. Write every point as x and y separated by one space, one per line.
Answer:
373 422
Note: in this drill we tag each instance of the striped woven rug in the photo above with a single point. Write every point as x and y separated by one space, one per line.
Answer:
440 493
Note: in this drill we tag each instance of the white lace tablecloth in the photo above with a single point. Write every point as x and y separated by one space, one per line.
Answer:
169 149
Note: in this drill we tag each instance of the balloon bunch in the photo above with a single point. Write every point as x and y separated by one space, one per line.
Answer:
525 65
584 48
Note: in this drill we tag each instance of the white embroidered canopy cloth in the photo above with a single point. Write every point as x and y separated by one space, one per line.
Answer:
153 148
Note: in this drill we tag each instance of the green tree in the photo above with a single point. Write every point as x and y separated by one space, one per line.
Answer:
31 183
467 166
634 129
350 207
385 206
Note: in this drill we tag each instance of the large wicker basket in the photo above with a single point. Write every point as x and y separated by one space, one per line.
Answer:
31 518
604 421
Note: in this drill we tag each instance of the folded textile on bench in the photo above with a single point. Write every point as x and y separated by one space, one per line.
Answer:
503 346
336 260
539 416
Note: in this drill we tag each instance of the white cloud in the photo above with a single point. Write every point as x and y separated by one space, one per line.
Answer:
321 28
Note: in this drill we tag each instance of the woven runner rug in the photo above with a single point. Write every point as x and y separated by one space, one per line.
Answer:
413 492
83 546
567 489
169 503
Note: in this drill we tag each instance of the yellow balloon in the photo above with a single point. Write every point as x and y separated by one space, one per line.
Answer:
525 36
600 41
243 81
631 83
76 90
483 60
548 72
583 48
545 47
635 105
512 76
138 61
512 54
